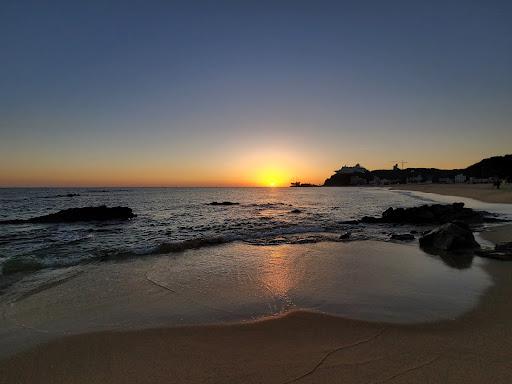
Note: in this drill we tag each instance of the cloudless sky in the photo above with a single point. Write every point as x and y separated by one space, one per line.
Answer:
248 92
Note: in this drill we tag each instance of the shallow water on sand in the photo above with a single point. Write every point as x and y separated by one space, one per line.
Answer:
367 280
274 261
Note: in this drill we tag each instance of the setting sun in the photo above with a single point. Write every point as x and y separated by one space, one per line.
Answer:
272 177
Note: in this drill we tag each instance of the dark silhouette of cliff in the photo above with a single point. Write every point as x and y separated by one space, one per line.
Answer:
492 167
497 166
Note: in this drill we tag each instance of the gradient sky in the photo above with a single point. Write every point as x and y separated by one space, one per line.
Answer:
248 92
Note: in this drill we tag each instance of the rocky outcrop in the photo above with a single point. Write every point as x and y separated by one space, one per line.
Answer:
57 196
402 237
345 236
72 215
501 251
456 236
223 203
430 214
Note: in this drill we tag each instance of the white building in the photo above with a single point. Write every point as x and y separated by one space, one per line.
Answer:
350 170
460 178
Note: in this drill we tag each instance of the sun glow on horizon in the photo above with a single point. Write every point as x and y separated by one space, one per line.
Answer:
272 176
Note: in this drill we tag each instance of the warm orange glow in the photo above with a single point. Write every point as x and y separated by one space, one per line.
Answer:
272 177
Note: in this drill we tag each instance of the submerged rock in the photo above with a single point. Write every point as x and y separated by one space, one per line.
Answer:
345 236
223 203
501 251
402 237
65 195
71 215
456 236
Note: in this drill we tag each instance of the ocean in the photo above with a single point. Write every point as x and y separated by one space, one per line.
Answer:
175 219
183 261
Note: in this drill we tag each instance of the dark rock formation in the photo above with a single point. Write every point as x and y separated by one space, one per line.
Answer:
430 214
296 211
223 203
402 237
345 236
456 236
72 215
501 251
350 222
57 196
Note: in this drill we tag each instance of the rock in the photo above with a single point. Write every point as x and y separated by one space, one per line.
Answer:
501 251
371 220
350 222
296 211
57 196
458 260
402 237
345 236
430 214
504 247
454 236
223 203
71 215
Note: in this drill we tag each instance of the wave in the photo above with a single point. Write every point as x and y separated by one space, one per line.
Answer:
163 248
268 205
55 256
36 260
259 237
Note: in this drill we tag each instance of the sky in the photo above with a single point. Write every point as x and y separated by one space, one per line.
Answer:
248 93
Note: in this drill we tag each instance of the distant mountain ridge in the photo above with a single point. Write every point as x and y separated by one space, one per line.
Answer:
492 167
497 166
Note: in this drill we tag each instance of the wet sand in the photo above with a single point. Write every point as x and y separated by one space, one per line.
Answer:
298 347
483 192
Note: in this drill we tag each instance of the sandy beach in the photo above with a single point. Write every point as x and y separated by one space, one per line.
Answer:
483 192
300 346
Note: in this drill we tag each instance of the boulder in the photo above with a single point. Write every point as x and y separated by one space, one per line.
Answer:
71 215
456 236
296 211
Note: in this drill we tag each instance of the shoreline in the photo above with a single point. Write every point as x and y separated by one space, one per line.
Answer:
295 346
298 346
482 192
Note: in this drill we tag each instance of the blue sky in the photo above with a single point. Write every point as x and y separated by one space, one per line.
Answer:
213 92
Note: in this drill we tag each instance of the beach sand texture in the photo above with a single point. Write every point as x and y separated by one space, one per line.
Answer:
298 347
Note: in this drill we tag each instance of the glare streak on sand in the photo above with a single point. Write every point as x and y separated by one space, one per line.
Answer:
330 353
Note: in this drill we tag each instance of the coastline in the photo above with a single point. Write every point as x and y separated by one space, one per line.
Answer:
482 192
298 346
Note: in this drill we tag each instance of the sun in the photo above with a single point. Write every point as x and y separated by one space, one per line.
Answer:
271 177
